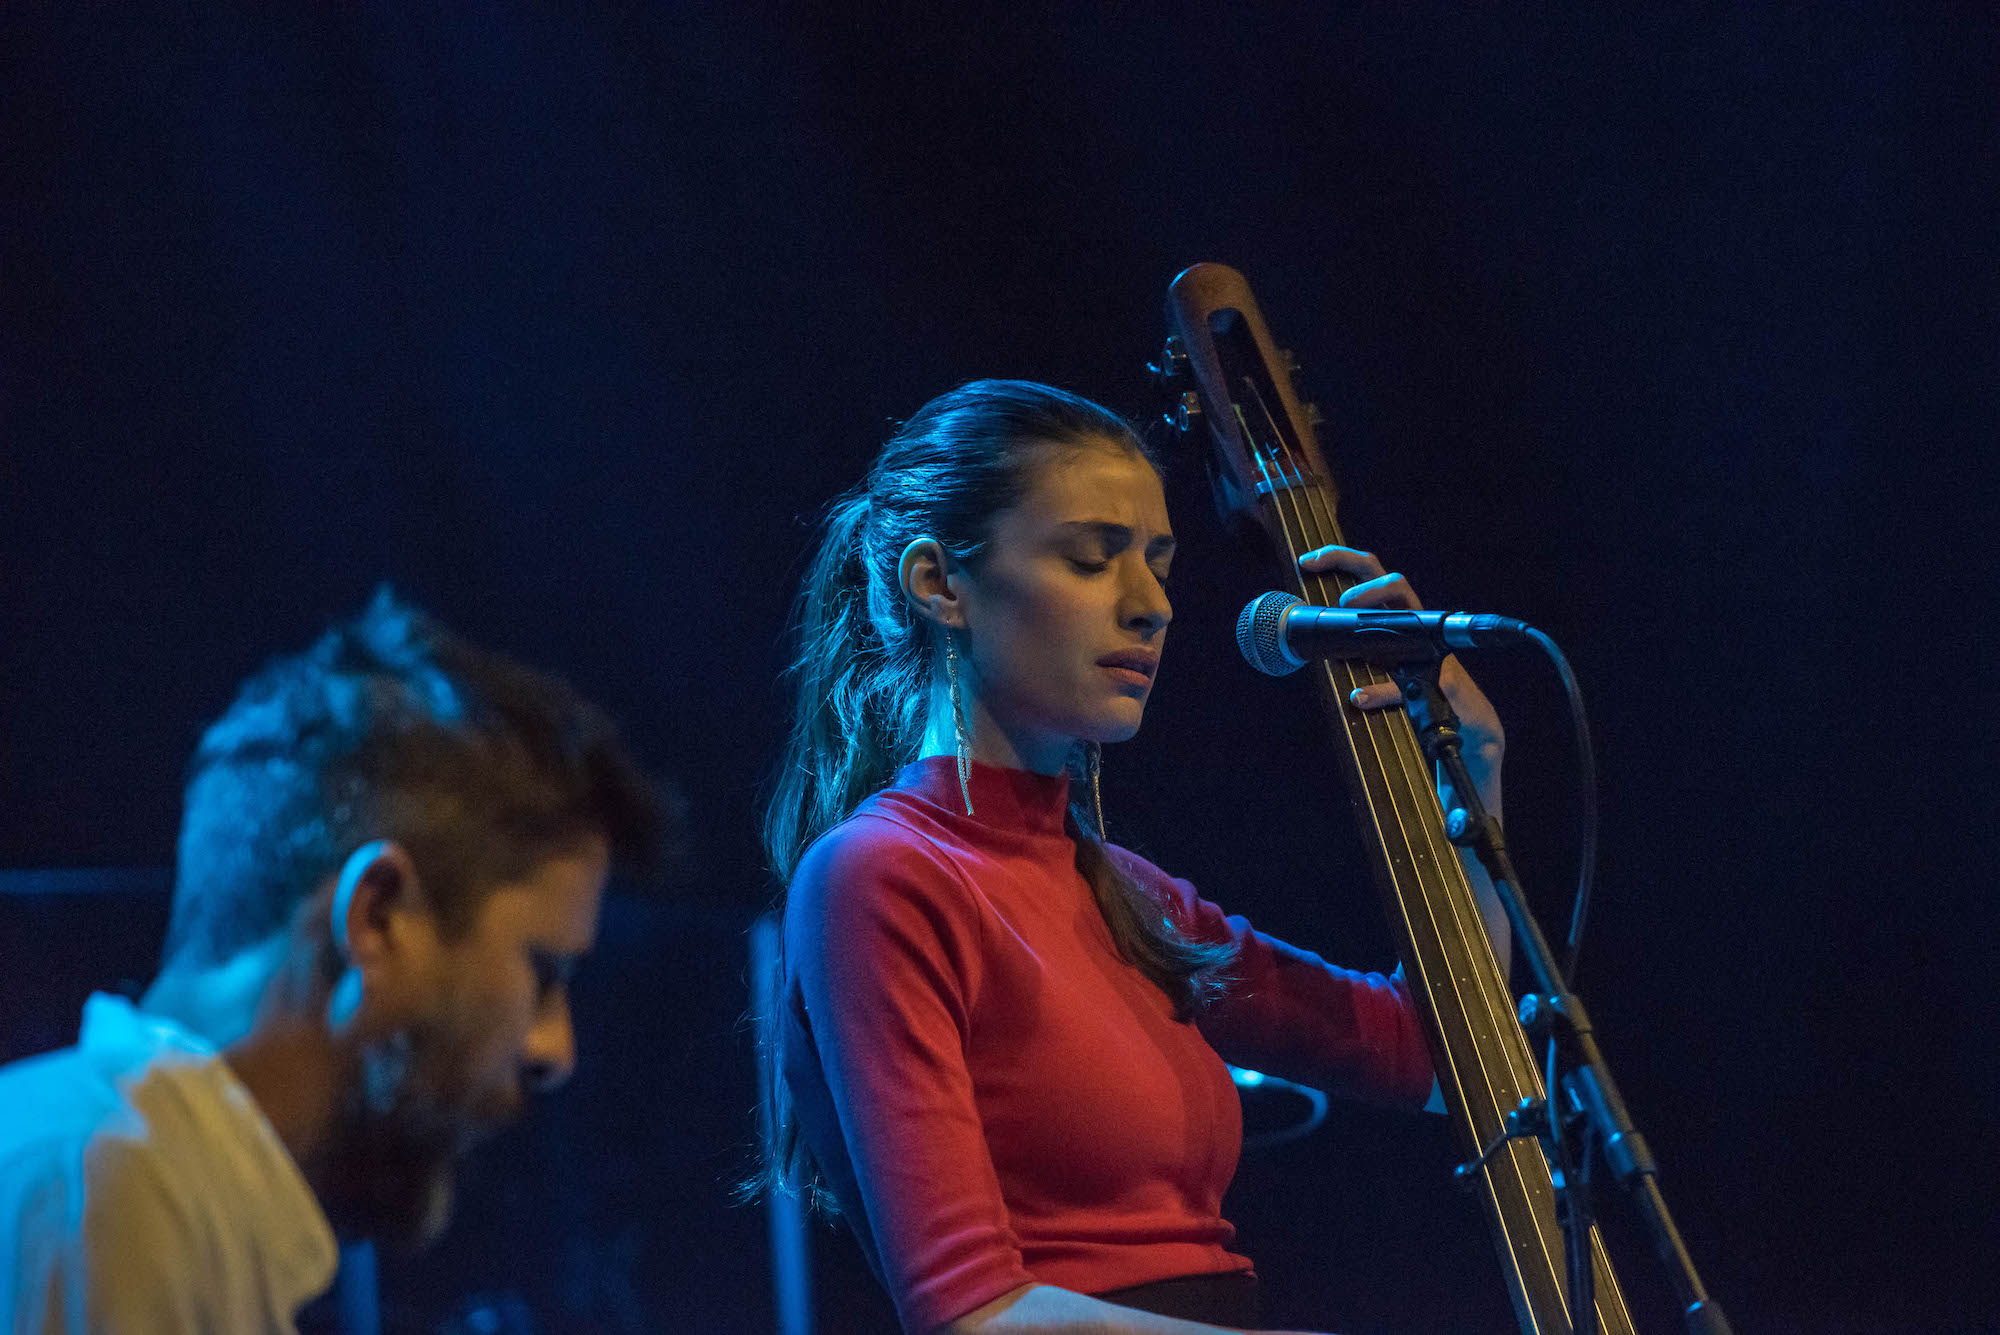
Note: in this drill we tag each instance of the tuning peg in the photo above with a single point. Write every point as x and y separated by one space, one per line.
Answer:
1174 375
1291 363
1187 412
1293 370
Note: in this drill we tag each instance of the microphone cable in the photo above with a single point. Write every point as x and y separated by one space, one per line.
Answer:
1587 813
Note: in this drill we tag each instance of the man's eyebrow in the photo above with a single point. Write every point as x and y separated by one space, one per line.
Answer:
560 964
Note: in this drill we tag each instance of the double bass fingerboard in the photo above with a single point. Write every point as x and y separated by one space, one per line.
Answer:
1485 1066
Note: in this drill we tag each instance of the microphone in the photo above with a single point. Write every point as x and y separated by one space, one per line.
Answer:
1279 634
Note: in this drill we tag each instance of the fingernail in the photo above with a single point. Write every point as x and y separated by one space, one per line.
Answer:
1354 696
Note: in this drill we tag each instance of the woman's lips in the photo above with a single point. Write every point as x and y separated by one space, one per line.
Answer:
1131 668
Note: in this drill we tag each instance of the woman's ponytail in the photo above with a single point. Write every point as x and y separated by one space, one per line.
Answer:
845 735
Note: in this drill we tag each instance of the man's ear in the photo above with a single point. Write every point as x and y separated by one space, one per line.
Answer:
376 902
930 580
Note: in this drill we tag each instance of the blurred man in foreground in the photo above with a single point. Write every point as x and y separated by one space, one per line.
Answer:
391 858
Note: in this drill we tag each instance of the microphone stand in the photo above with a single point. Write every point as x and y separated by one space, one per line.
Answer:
1596 1108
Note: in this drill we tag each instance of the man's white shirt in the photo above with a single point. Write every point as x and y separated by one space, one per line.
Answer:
141 1189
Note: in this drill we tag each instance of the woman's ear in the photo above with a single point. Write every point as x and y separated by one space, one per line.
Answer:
927 574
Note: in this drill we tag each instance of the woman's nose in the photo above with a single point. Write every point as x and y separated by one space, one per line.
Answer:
1147 607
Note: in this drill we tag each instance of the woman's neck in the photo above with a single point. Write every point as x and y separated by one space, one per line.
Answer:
989 742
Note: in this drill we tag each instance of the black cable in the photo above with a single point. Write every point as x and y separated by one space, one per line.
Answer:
1574 1170
1586 763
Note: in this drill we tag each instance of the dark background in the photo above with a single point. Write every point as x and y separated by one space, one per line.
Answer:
1670 330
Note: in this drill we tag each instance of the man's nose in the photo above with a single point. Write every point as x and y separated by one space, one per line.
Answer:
548 1055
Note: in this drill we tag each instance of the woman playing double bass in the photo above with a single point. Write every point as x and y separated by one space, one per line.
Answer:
1000 1040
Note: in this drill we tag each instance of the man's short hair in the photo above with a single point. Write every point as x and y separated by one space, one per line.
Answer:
391 727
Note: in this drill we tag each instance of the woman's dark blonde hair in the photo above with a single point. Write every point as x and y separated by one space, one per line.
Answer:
863 677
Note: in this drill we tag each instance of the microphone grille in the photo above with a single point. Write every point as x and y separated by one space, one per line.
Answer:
1259 634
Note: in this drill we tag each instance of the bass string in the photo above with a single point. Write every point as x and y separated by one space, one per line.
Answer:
1394 731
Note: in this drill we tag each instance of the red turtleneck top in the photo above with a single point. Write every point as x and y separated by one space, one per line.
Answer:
994 1096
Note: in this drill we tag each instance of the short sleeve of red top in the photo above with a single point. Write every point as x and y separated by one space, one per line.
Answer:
994 1096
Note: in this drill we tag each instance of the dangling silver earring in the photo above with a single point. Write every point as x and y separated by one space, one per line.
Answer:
958 719
1093 763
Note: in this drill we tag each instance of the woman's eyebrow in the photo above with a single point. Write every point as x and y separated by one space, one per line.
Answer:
1115 535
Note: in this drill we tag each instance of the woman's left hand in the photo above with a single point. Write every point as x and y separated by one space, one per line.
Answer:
1478 725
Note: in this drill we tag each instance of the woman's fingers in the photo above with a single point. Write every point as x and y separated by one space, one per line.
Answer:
1375 695
1479 724
1382 591
1347 560
1377 588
